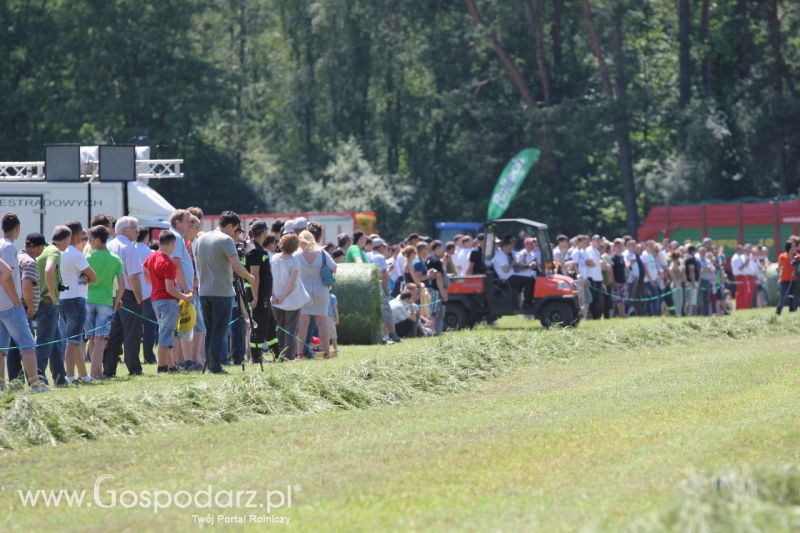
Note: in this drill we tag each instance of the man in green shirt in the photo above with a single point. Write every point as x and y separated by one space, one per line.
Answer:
47 316
355 254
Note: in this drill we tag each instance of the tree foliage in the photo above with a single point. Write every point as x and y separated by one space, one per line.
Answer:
413 108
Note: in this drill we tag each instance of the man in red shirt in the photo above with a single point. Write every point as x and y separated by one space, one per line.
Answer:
160 271
787 279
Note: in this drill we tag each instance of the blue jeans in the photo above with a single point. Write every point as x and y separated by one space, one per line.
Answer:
167 312
149 332
236 336
704 298
787 287
217 315
48 330
653 304
15 330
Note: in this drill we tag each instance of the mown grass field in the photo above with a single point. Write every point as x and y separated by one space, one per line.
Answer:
638 424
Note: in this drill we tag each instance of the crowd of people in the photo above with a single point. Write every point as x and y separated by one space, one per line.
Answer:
624 277
190 300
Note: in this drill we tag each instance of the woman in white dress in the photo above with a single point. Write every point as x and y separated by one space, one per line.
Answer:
288 294
311 257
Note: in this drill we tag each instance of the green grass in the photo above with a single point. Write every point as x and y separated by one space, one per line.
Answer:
613 425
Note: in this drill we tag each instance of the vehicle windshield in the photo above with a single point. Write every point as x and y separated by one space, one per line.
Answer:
519 232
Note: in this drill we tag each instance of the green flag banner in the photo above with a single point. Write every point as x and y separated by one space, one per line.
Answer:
510 181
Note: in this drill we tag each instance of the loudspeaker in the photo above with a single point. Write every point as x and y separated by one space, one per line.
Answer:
117 162
62 162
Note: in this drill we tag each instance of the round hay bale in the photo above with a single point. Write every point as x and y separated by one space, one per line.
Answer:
358 291
773 284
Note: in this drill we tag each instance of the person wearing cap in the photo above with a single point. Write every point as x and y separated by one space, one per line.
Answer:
14 325
288 227
355 253
264 337
300 223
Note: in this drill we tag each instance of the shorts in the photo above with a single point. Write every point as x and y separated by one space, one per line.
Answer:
619 292
331 329
98 320
690 295
73 310
14 325
386 312
167 312
200 324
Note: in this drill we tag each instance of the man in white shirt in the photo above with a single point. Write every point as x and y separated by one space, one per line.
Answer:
594 274
461 257
742 266
650 279
76 274
501 262
529 256
126 329
561 252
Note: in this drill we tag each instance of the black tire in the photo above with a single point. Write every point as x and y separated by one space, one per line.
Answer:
559 314
455 317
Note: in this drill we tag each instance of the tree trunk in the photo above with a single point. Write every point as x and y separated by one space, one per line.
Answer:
525 93
621 119
555 34
685 55
513 71
705 15
544 74
776 75
597 49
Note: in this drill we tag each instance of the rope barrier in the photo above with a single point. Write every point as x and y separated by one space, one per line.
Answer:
85 333
81 334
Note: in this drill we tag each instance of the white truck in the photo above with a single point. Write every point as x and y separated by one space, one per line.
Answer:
42 205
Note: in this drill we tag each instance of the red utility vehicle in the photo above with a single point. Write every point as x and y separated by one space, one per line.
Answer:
472 299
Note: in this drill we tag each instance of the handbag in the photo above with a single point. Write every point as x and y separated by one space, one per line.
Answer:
325 271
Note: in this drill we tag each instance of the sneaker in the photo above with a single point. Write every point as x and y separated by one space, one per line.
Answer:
87 379
41 387
173 369
161 370
71 380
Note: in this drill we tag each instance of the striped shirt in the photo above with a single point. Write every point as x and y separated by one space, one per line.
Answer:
29 270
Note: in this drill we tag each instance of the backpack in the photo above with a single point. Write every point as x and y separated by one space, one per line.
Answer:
325 271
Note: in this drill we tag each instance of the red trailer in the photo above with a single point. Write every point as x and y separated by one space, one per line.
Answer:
758 222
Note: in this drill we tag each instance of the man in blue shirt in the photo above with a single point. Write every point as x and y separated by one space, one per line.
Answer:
183 346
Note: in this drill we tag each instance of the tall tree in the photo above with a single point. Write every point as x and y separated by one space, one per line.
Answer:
525 94
685 54
621 117
541 62
705 22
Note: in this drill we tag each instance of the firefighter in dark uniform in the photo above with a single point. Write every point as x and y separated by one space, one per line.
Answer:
256 261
